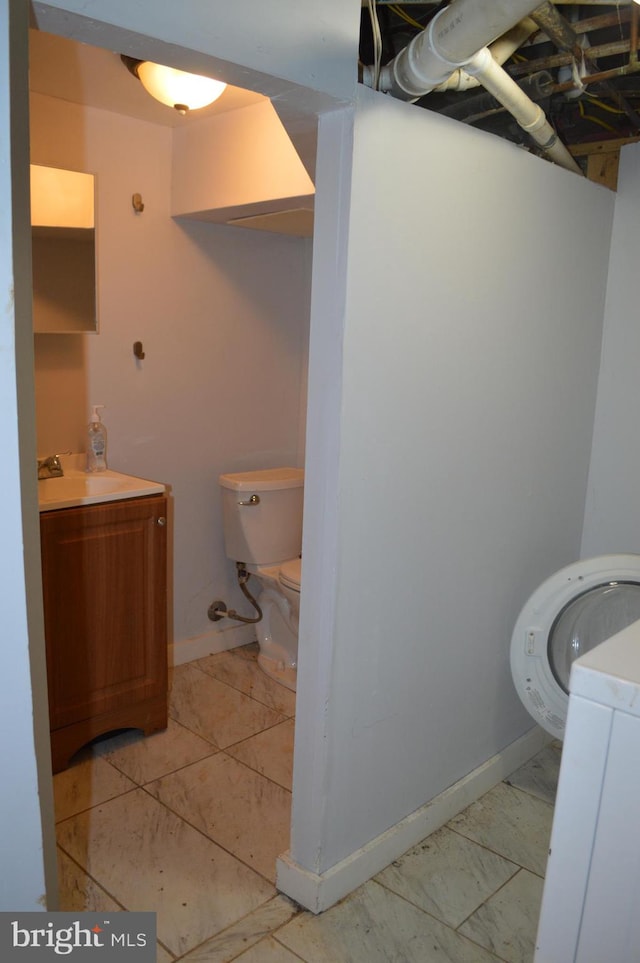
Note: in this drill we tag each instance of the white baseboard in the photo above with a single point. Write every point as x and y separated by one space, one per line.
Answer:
217 640
318 891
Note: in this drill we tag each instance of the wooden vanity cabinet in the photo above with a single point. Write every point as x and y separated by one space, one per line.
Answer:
104 572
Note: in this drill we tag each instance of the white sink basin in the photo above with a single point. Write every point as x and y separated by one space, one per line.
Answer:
77 487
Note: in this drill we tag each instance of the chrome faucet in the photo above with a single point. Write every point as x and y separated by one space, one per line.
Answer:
50 467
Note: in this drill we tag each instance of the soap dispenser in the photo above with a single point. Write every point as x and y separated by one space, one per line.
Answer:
96 442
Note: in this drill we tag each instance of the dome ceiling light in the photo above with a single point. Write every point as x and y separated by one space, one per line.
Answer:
175 88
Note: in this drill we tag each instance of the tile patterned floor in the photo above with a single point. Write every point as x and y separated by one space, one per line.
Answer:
189 823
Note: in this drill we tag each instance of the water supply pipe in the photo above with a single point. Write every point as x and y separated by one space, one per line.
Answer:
218 609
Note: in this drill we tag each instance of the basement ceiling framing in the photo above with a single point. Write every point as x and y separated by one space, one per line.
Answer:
580 65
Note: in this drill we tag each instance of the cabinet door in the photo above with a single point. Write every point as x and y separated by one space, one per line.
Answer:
105 603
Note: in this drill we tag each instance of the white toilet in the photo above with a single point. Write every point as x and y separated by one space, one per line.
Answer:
262 523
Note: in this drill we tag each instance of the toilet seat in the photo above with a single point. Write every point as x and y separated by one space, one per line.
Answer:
569 614
290 574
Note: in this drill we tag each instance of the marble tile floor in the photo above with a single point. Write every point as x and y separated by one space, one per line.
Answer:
189 822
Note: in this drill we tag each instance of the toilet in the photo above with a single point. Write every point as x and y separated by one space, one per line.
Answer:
262 524
569 614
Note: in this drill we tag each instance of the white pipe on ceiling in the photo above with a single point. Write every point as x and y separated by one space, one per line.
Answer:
527 114
449 41
457 37
501 50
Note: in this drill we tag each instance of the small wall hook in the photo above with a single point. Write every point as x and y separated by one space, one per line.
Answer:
136 201
137 350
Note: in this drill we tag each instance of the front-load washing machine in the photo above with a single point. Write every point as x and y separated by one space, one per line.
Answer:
569 614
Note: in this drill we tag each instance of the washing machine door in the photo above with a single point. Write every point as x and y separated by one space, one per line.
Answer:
569 614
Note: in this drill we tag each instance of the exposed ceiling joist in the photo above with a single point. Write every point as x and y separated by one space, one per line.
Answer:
581 67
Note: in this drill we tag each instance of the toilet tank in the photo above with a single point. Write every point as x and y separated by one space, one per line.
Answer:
262 515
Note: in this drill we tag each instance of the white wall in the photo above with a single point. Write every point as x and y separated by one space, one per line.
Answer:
612 518
302 56
223 315
239 159
27 840
480 397
334 38
474 290
310 45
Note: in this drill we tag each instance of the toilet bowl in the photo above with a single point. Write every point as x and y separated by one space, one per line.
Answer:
277 632
262 525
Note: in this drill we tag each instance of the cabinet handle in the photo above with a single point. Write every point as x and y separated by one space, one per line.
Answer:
162 520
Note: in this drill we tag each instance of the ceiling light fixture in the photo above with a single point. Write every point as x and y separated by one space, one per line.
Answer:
172 87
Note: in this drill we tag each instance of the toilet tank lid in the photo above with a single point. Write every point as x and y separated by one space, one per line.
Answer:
267 479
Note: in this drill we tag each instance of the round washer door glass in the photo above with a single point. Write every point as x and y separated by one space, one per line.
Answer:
573 611
587 621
